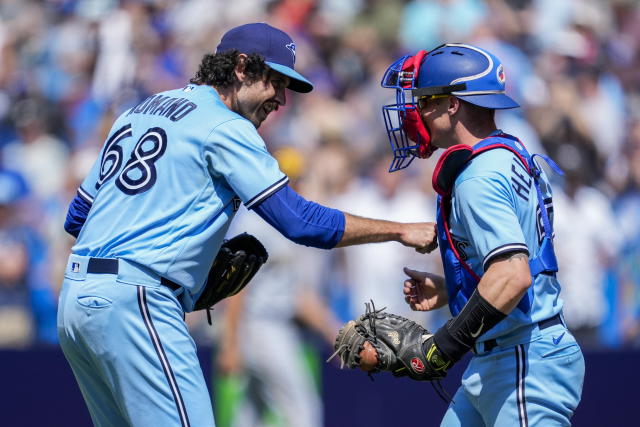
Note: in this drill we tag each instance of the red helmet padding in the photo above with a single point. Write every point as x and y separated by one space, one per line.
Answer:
411 121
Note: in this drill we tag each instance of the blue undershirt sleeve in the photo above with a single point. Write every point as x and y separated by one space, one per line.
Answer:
302 221
76 215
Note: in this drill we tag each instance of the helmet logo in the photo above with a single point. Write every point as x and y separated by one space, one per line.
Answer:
500 74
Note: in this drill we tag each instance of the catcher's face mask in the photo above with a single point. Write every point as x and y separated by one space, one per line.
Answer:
407 134
461 70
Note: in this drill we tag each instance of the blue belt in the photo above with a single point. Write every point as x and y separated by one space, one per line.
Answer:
488 345
110 266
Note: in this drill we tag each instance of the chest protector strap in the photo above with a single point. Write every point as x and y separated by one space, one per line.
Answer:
460 278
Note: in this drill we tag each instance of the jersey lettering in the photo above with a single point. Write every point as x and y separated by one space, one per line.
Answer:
151 106
172 108
112 155
183 111
139 174
548 204
520 180
160 109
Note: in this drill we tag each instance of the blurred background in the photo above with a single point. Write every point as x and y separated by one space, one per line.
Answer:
69 67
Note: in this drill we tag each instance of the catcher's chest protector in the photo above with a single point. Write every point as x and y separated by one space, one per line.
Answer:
460 278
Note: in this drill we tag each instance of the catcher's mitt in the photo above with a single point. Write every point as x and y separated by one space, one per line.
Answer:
398 342
238 260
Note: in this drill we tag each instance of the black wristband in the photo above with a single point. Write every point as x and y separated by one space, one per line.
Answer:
460 333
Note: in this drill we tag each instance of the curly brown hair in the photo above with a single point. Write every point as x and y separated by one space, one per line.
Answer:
217 69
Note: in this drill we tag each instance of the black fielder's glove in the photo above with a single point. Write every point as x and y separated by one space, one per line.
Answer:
402 347
238 260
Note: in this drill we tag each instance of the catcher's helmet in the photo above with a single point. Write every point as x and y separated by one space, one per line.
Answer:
461 70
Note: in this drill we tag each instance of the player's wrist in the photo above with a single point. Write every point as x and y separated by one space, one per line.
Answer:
447 345
437 359
459 334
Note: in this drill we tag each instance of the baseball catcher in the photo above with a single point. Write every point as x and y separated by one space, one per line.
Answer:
495 233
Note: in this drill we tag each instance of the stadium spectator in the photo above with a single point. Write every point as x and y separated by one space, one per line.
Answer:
27 302
66 67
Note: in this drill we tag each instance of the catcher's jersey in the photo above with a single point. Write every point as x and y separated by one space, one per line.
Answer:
168 181
494 210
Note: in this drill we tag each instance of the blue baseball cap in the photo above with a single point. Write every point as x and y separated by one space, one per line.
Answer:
277 48
466 72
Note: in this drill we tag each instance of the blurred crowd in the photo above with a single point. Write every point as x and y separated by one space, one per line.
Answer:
69 67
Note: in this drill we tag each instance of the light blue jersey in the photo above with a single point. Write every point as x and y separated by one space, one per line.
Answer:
150 219
168 182
494 210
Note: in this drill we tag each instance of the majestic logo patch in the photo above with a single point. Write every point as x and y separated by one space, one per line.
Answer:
394 337
236 203
500 74
417 365
460 247
292 48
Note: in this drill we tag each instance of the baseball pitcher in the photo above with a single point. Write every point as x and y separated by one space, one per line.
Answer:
150 220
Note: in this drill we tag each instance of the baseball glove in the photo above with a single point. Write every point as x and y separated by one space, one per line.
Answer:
238 260
398 344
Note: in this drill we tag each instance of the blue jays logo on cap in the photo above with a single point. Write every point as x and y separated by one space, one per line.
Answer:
292 48
277 48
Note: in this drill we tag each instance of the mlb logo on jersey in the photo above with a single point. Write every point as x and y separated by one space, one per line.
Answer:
75 267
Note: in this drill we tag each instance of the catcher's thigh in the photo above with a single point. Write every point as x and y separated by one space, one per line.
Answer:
534 384
131 353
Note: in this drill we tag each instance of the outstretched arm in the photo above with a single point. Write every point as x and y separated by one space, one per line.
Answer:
359 230
311 224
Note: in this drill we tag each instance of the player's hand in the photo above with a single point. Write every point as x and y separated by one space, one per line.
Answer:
424 291
421 236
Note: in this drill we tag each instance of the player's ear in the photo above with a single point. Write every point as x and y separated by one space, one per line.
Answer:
240 67
454 105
